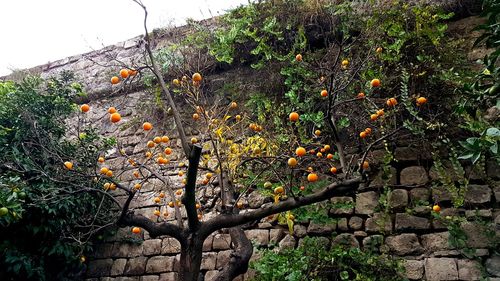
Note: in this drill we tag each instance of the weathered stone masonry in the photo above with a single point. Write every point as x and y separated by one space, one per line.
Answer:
408 230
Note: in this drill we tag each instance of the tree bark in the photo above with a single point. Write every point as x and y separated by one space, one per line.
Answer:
240 257
190 261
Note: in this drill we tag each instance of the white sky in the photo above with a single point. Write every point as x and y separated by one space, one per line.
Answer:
35 32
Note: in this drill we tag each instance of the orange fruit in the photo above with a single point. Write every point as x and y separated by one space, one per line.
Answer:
322 150
178 192
312 151
294 117
160 160
391 102
379 50
333 170
312 177
279 190
136 230
197 77
132 162
368 131
292 162
162 195
302 188
124 73
380 112
171 204
298 57
238 117
208 175
147 126
68 165
326 147
115 117
345 63
157 213
421 101
100 159
366 165
132 72
137 186
196 116
168 151
198 205
204 182
200 216
136 174
112 186
115 80
360 96
317 133
374 117
239 205
436 208
150 144
181 173
84 107
319 154
300 151
111 110
104 170
106 186
157 140
362 135
375 83
329 156
233 105
109 173
149 154
194 140
176 82
165 139
324 93
157 200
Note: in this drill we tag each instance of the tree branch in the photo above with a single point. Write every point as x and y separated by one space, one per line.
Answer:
189 198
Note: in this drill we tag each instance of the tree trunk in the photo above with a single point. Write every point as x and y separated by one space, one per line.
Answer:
190 261
238 263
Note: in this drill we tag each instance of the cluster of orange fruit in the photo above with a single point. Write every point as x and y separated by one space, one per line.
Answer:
365 133
114 116
196 78
124 74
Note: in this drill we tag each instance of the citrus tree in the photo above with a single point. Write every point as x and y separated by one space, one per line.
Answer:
323 153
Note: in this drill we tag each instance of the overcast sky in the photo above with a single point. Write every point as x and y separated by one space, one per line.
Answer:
35 32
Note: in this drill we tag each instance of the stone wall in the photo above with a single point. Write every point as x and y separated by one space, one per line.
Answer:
406 228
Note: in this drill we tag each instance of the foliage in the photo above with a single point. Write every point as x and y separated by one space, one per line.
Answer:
313 261
40 239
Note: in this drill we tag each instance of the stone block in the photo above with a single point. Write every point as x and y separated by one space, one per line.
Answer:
259 236
275 235
411 154
127 278
207 244
477 194
208 261
221 242
406 222
398 199
346 239
469 270
436 242
210 275
256 200
319 241
223 258
288 242
419 194
414 175
151 247
440 194
379 181
118 267
437 269
135 266
404 244
366 202
320 229
169 276
99 268
355 223
150 278
493 266
299 230
493 169
476 235
170 246
124 250
414 269
160 264
342 205
342 224
379 222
